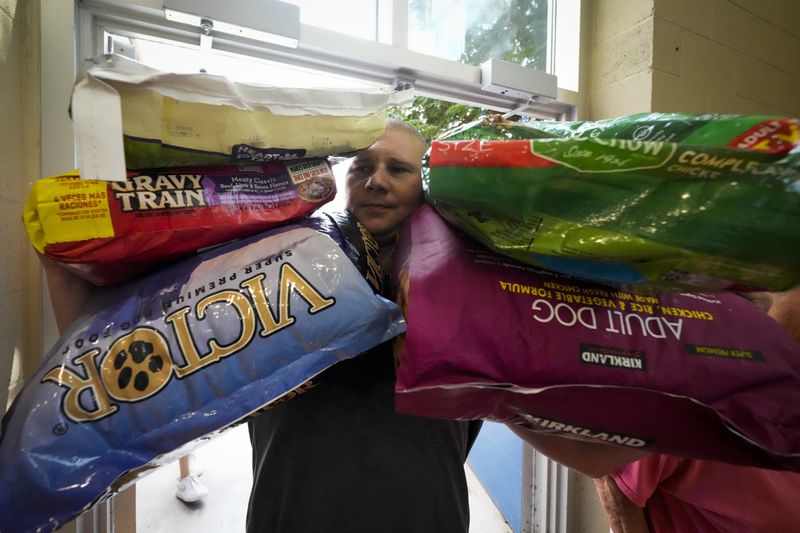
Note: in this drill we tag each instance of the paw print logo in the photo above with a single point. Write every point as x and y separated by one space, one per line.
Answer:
137 365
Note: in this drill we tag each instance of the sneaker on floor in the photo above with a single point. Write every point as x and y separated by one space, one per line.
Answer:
190 489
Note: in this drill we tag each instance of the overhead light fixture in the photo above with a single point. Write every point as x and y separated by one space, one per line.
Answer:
269 21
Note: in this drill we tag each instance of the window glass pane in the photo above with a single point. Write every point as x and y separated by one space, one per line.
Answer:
175 57
568 43
472 31
357 18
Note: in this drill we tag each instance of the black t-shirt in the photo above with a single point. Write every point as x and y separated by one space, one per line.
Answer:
338 459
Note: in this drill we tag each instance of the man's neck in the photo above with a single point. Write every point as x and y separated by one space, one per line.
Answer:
386 250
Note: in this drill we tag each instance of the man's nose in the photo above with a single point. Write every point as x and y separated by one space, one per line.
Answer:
378 180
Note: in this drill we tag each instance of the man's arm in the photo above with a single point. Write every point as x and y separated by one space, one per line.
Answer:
593 459
69 294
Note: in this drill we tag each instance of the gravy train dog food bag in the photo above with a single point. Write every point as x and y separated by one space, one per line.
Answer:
108 231
182 354
700 375
652 201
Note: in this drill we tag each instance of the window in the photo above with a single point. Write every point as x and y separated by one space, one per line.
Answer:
473 31
359 43
357 18
182 58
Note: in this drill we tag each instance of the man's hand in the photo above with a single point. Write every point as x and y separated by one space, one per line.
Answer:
785 310
69 294
762 299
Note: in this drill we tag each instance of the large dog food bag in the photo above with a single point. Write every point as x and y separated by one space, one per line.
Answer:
774 135
651 201
183 354
705 375
128 115
108 231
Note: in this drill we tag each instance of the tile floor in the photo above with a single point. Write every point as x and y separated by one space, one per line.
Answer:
226 462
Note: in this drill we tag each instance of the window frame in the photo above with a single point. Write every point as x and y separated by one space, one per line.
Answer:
325 51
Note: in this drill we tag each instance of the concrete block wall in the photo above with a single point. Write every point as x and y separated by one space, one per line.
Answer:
621 57
727 56
19 278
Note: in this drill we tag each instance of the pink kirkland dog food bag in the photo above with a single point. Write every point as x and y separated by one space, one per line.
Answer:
700 375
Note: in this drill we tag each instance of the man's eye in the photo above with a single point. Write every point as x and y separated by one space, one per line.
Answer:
360 169
400 169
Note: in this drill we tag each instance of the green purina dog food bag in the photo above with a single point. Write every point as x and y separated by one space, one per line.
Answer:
648 201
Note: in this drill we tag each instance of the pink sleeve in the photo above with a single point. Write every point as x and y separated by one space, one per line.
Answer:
640 479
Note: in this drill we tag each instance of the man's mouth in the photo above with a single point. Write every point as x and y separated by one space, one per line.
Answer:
377 206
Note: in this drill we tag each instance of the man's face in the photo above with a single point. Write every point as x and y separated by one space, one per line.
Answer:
384 184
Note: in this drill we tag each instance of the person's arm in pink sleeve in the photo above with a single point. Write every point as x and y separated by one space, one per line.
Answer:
623 515
596 460
625 492
640 479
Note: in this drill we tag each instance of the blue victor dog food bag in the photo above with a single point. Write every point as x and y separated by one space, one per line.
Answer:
184 353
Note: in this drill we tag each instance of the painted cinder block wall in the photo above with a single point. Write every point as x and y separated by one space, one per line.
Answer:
20 308
740 56
694 56
620 63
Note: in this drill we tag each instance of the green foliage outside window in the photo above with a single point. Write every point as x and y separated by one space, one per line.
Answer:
518 34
